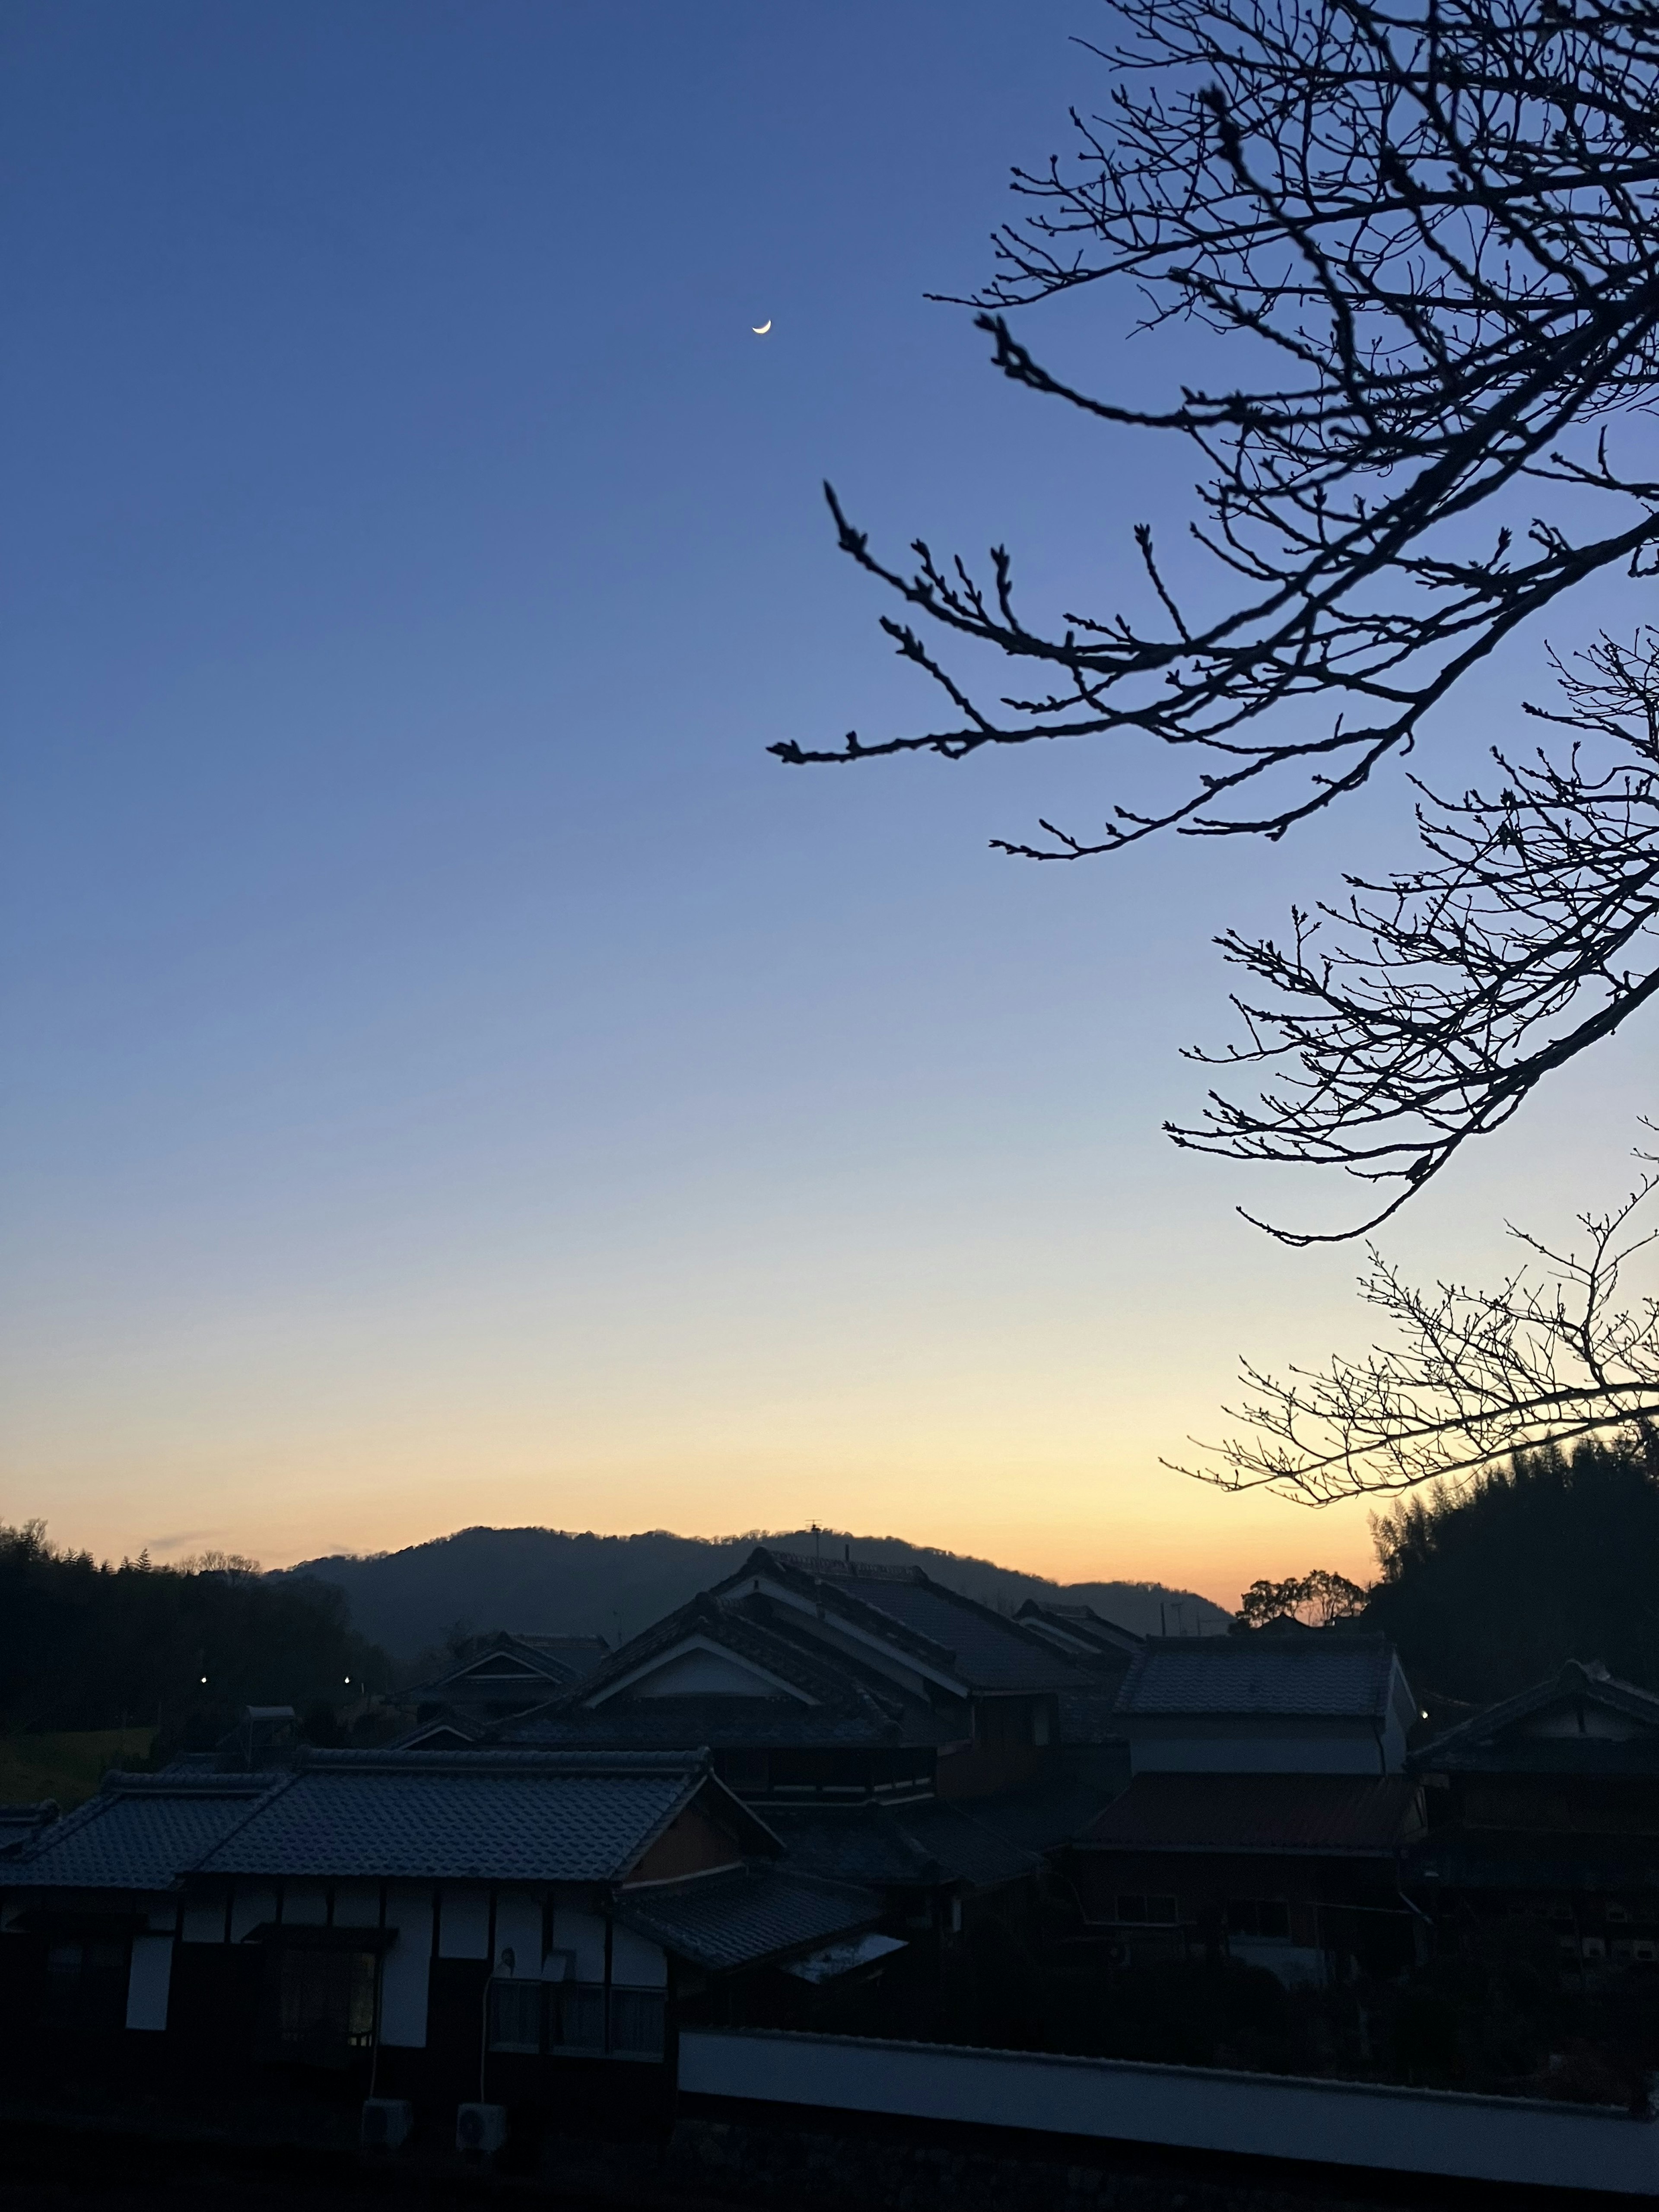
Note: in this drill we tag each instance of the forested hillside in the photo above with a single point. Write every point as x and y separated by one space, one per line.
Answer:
546 1581
1554 1558
90 1646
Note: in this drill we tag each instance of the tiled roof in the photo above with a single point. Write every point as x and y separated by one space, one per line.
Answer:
21 1824
740 1919
1090 1717
1056 1810
1485 1743
1081 1633
723 1723
555 1660
1334 1813
1323 1677
499 1815
915 1846
982 1649
841 1701
142 1831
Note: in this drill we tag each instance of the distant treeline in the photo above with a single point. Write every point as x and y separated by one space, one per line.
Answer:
85 1646
1554 1557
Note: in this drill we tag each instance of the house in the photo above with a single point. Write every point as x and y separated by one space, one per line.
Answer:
1100 1648
1298 1873
494 1677
501 1926
1545 1809
1319 1702
21 1824
890 1732
995 1684
1266 1809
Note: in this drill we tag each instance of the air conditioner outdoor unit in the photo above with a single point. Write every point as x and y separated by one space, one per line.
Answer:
388 2123
480 2128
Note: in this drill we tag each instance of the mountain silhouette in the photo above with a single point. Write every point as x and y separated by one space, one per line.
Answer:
547 1581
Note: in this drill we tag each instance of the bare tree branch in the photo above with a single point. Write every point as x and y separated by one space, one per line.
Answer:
1427 1008
1472 1377
1441 221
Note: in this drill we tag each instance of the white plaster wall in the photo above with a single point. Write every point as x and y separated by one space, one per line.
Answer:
205 1921
463 1924
633 1960
1512 2140
406 1970
357 1905
1255 1754
251 1908
518 1930
305 1905
704 1674
584 1934
148 1979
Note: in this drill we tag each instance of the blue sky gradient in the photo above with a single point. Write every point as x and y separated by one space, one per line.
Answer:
452 1075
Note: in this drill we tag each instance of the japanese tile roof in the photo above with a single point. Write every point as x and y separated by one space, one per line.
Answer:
21 1824
1056 1810
495 1815
1090 1717
743 1918
1336 1814
140 1832
839 1701
1490 1742
982 1649
1082 1633
557 1661
1323 1677
918 1844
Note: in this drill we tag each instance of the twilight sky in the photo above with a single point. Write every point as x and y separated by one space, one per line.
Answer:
450 1073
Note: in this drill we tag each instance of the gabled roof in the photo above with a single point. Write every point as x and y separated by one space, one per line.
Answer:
142 1831
1318 1814
1081 1633
448 1732
915 1846
510 1662
747 1917
804 1693
963 1645
482 1816
1323 1677
21 1824
476 1815
1506 1737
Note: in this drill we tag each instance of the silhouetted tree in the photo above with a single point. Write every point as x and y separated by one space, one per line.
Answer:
1471 1378
1554 1557
90 1646
1318 1599
1438 226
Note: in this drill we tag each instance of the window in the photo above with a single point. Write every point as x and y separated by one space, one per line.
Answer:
1258 1916
325 2004
576 2016
636 2023
515 2016
1147 1912
87 1986
569 2017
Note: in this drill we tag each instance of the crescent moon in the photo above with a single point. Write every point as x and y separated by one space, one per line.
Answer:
760 329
